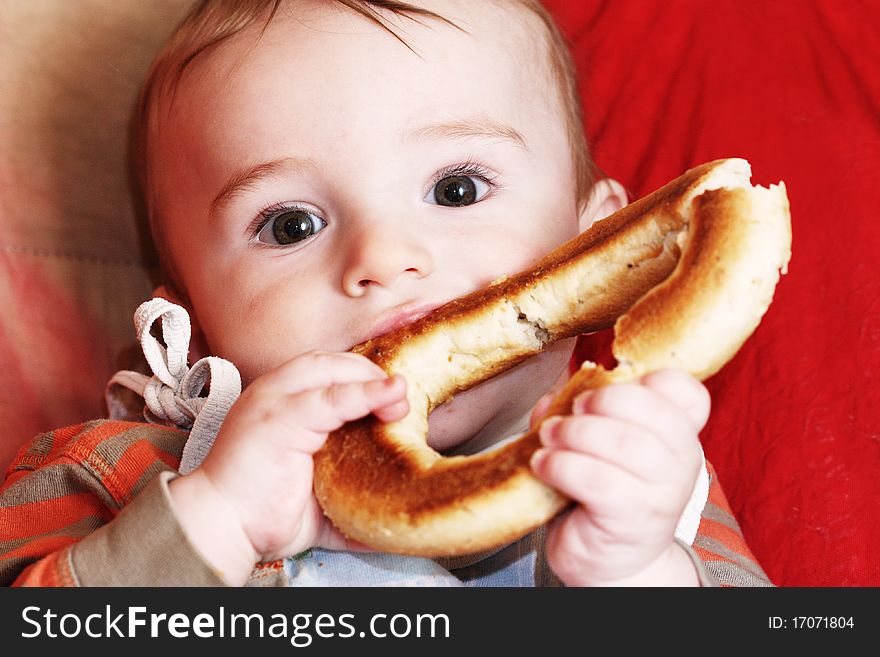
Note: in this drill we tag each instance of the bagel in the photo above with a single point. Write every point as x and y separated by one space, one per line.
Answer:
684 275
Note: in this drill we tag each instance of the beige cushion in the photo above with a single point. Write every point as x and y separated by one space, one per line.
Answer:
74 263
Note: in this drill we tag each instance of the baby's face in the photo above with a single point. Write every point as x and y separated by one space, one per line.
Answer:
328 184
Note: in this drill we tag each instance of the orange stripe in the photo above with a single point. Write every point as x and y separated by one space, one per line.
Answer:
60 438
50 515
51 571
104 431
726 536
716 493
707 555
42 547
13 476
41 573
276 565
137 459
171 460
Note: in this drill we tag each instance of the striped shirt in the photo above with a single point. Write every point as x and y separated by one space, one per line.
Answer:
88 505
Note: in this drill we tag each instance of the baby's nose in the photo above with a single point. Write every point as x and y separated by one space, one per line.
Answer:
380 260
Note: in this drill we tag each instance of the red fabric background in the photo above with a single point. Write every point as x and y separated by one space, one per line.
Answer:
794 87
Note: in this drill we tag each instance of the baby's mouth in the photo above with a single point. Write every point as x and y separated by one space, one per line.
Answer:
398 317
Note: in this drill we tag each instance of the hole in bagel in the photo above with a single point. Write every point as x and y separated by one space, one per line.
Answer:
500 406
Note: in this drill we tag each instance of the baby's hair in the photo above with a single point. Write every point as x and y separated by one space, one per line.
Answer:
212 22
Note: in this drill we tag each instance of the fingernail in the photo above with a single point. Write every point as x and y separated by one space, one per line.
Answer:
538 458
378 386
549 430
394 381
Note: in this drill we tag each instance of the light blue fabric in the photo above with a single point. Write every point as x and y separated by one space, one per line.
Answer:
320 567
520 564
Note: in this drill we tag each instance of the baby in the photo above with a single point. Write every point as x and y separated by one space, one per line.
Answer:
319 172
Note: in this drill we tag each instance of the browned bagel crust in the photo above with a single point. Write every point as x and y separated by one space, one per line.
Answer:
382 485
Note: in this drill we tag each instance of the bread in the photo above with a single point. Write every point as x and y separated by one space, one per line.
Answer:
686 272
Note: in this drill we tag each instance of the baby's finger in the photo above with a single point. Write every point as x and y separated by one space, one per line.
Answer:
396 411
318 369
624 444
684 391
641 406
326 409
585 479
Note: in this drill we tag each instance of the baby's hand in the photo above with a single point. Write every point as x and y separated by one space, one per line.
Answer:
251 500
629 457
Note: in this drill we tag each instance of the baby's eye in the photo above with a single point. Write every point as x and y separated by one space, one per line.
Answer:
290 226
456 191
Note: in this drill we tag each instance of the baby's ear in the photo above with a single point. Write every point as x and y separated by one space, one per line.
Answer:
198 346
606 197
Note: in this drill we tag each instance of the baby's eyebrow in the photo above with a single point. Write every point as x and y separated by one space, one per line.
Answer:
248 177
465 128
